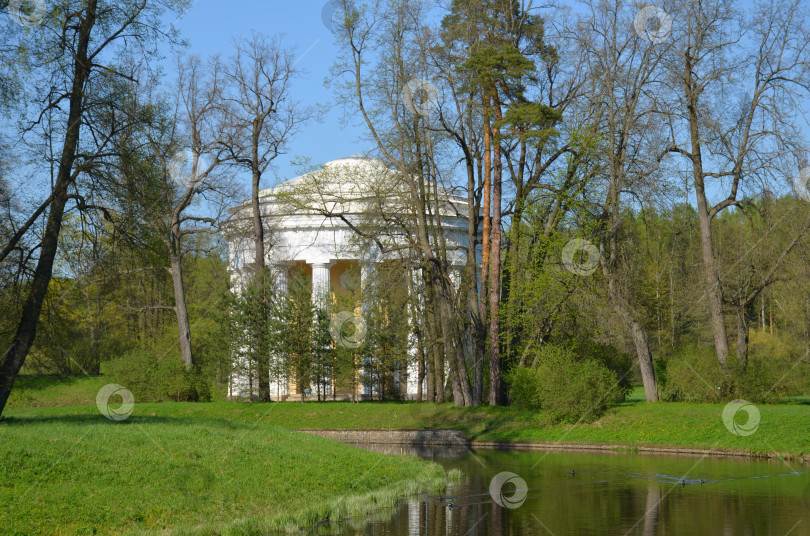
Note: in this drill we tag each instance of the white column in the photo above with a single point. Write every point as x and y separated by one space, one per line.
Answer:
321 284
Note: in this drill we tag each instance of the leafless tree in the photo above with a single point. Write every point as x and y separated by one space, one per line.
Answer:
260 116
404 140
737 77
191 159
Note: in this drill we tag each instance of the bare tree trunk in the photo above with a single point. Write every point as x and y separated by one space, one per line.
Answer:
645 361
471 287
181 311
258 228
420 356
427 354
485 225
495 268
434 344
713 289
637 332
15 356
462 392
742 336
262 363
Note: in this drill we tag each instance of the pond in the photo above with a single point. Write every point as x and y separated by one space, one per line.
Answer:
560 494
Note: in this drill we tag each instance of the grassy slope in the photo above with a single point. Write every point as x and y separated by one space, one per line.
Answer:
39 391
75 472
784 428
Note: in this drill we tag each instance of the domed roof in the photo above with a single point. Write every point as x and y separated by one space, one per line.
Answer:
346 186
317 215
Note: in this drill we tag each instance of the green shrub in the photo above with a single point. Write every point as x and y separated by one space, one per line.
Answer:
571 388
622 365
691 375
773 371
156 379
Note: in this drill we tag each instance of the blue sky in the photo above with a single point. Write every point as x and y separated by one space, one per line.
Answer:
211 25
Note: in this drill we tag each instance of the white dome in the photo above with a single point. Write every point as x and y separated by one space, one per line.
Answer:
315 216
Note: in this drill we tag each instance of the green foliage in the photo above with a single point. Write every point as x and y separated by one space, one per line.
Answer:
774 371
531 120
323 354
153 378
385 352
295 325
691 375
571 389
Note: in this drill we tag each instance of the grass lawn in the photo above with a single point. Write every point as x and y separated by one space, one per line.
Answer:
783 428
238 468
75 472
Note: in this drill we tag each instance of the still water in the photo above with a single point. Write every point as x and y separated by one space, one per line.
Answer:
605 494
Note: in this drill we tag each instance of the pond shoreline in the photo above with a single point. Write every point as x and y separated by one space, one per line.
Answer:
454 438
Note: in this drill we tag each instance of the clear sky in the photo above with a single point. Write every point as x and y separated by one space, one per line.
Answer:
211 25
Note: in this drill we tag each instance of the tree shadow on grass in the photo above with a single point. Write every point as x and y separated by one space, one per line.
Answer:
96 419
42 382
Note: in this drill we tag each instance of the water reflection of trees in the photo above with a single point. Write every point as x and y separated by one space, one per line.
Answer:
630 506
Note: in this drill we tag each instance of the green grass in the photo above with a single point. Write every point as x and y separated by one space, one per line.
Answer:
237 468
72 471
41 391
783 429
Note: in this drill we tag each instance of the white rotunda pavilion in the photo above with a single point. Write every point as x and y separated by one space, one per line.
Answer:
326 226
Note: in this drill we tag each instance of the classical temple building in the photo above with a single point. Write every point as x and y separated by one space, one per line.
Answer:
333 226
